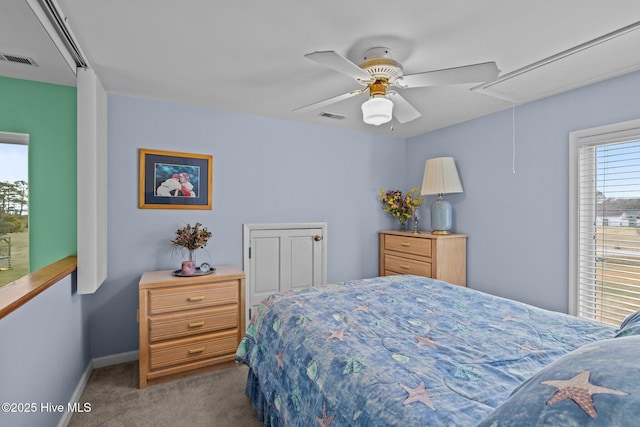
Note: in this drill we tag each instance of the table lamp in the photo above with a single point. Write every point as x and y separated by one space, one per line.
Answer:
441 177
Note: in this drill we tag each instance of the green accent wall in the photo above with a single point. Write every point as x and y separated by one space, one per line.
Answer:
47 112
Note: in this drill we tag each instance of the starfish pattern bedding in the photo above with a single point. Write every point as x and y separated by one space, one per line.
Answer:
398 351
596 385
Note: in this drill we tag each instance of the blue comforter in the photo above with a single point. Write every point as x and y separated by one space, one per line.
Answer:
397 351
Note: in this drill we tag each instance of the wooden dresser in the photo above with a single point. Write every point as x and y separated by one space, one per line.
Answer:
189 324
442 257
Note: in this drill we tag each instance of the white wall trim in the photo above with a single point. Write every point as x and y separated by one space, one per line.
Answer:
98 362
77 394
14 138
115 359
92 182
616 132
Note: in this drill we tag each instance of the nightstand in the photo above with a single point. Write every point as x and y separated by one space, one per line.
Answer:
190 324
442 257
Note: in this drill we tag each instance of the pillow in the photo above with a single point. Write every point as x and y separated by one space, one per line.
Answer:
595 385
630 325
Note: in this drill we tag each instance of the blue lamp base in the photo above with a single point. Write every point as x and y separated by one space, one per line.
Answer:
441 216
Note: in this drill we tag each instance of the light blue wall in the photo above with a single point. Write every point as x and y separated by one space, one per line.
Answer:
44 352
518 223
264 171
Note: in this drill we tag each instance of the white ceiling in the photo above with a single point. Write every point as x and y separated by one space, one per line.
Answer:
247 55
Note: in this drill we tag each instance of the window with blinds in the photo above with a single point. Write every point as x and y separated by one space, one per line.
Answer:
605 222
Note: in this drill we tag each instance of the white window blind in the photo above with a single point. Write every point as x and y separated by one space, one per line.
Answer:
605 222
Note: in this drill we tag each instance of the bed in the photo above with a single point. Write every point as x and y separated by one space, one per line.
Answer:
412 351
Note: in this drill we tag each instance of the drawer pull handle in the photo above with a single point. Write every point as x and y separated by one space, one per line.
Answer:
405 244
196 324
405 266
198 298
196 350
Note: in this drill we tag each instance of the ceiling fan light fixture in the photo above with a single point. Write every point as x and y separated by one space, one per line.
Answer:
379 72
377 110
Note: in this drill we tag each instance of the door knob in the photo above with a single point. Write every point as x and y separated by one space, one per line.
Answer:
317 238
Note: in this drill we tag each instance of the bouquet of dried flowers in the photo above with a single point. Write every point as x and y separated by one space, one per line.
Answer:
191 238
401 205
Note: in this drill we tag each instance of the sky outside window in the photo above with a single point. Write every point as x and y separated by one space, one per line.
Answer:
618 170
13 162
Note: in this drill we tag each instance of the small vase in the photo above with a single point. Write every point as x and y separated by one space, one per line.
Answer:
402 223
188 267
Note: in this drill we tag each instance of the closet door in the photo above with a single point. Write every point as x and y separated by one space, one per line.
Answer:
280 259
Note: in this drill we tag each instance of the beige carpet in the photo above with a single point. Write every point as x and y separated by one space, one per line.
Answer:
212 399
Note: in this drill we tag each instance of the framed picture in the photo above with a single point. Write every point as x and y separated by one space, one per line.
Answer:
172 180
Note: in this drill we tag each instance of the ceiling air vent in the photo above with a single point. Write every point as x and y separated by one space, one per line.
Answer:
19 59
332 116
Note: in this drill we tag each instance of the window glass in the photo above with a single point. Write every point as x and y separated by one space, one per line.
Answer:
14 207
606 222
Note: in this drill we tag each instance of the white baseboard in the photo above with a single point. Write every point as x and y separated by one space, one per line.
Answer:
114 359
98 362
77 393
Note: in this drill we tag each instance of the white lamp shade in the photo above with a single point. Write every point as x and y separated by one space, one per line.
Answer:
440 177
377 110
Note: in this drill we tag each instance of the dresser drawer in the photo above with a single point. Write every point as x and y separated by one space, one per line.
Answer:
410 245
194 296
407 266
165 326
187 350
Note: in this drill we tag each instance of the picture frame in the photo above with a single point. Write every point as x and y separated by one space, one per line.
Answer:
175 180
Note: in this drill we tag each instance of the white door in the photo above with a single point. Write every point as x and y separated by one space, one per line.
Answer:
279 257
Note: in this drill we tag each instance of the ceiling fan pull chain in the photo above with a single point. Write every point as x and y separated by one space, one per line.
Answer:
513 137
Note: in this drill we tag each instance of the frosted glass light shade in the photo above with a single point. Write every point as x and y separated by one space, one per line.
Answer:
377 110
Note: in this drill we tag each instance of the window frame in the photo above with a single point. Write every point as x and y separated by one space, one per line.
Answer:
16 138
613 133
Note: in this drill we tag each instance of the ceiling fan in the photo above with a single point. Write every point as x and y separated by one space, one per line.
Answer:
379 72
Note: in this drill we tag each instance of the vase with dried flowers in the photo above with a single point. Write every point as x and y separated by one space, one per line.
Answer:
191 238
401 205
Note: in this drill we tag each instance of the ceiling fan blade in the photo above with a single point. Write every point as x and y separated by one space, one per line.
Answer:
333 100
334 60
402 110
477 73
